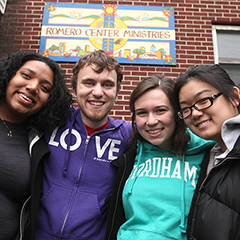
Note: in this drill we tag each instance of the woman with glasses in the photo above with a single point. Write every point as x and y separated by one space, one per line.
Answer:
209 105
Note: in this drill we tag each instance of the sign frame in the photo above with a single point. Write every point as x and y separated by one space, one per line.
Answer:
131 34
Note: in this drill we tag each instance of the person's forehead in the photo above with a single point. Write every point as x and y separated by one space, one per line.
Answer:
89 72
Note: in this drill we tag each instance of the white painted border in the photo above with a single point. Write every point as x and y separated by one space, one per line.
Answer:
215 46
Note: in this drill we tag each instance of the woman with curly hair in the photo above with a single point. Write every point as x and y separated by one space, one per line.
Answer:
33 98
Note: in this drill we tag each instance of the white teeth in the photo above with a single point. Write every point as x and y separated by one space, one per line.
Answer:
203 123
154 131
25 97
97 103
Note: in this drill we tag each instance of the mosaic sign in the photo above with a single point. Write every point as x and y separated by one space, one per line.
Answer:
131 34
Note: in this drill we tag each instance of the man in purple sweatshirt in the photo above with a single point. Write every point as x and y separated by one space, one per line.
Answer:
78 175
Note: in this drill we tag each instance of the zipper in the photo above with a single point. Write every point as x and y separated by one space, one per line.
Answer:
77 183
75 188
21 224
215 166
118 193
201 186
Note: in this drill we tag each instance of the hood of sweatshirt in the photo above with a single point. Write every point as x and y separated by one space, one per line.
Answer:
197 144
231 132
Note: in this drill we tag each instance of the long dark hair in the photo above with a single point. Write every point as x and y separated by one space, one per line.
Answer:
56 109
180 136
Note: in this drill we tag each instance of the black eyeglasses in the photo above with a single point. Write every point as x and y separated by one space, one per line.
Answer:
201 104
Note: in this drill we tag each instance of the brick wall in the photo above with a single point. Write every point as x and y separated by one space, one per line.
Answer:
20 29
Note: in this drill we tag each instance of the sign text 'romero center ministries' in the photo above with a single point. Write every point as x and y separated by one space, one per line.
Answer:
131 34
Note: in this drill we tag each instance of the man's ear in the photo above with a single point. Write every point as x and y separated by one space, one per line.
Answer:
236 100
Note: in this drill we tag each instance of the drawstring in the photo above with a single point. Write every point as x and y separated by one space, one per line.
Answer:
182 186
139 155
182 223
69 138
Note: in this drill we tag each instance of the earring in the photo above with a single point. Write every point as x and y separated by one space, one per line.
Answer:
116 99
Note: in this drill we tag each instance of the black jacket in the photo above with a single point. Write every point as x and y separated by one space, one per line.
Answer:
215 210
38 152
116 216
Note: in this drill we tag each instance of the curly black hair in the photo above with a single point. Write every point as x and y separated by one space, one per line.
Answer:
57 108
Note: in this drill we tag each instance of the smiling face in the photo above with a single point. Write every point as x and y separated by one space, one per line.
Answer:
206 123
27 91
96 94
155 118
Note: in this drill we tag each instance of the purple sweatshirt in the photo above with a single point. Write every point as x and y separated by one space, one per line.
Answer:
78 177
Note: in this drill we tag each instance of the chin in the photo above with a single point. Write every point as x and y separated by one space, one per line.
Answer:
157 144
